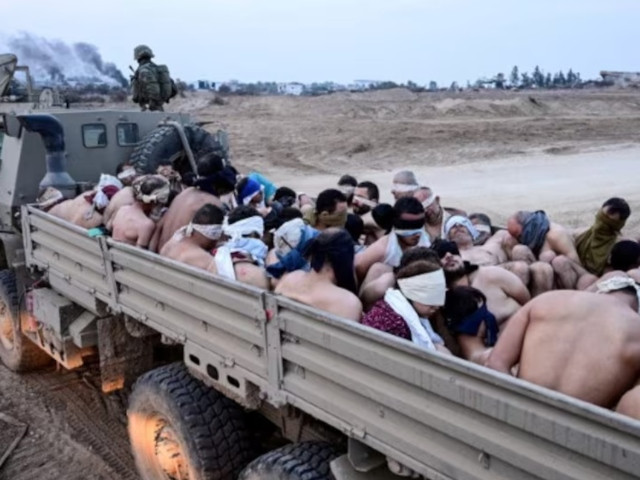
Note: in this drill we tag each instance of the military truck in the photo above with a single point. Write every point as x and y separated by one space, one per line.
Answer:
351 402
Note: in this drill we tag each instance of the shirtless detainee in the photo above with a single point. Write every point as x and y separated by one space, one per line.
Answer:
435 215
405 184
192 244
331 284
242 255
504 292
538 276
385 254
86 209
214 179
561 342
131 223
126 174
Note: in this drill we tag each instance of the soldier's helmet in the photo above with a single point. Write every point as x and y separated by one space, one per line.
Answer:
142 51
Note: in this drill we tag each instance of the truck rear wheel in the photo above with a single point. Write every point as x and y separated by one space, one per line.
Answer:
180 428
162 146
17 352
300 461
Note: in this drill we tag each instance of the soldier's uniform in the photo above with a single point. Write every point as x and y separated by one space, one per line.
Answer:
145 77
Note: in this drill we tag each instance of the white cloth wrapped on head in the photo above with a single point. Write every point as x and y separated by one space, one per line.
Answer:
212 232
426 288
49 198
422 333
127 173
101 199
393 253
404 187
288 235
618 283
160 194
460 220
347 190
242 228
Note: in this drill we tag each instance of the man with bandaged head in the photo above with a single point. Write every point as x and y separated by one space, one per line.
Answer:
330 210
192 244
405 184
405 311
126 174
385 254
87 209
242 255
330 285
132 223
215 178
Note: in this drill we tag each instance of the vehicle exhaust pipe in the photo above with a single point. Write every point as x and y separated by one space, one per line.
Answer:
52 133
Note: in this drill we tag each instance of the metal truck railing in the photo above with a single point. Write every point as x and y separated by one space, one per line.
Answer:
440 416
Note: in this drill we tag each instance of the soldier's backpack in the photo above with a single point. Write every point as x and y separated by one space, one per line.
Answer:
168 88
144 84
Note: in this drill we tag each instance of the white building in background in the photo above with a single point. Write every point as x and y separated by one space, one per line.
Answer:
292 88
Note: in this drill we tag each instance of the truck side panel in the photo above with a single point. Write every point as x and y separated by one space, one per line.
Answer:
441 416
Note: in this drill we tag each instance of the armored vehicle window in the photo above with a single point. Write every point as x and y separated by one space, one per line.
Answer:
127 134
94 135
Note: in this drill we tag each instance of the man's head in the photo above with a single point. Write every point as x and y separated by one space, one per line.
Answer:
383 216
515 223
355 227
126 173
151 191
142 53
482 223
461 302
423 283
214 175
365 197
460 230
205 227
625 255
286 196
332 252
408 221
452 263
331 209
347 184
616 209
241 212
431 204
404 184
417 254
250 192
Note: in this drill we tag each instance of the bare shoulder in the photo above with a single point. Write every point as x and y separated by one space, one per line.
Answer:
288 279
349 304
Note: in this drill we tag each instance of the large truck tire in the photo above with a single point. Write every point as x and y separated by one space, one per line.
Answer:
181 428
300 461
162 146
17 352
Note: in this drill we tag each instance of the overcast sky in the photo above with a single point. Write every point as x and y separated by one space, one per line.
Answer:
343 40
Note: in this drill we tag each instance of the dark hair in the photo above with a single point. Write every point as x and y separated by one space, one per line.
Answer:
328 199
355 226
383 216
625 255
372 190
242 212
241 184
461 302
335 246
289 213
150 183
417 254
408 205
284 192
619 206
347 180
208 214
484 218
209 164
442 247
418 268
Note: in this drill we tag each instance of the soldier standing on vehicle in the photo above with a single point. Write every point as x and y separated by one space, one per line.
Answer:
151 84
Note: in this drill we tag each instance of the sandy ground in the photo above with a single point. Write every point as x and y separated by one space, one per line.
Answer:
495 152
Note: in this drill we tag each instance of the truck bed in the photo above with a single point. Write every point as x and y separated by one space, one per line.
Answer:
440 416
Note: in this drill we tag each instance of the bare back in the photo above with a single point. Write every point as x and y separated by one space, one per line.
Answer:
120 199
304 288
583 344
132 226
505 292
186 251
180 213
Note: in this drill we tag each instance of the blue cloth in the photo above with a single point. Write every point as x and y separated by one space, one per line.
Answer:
295 258
269 187
207 184
470 325
256 248
251 187
534 231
